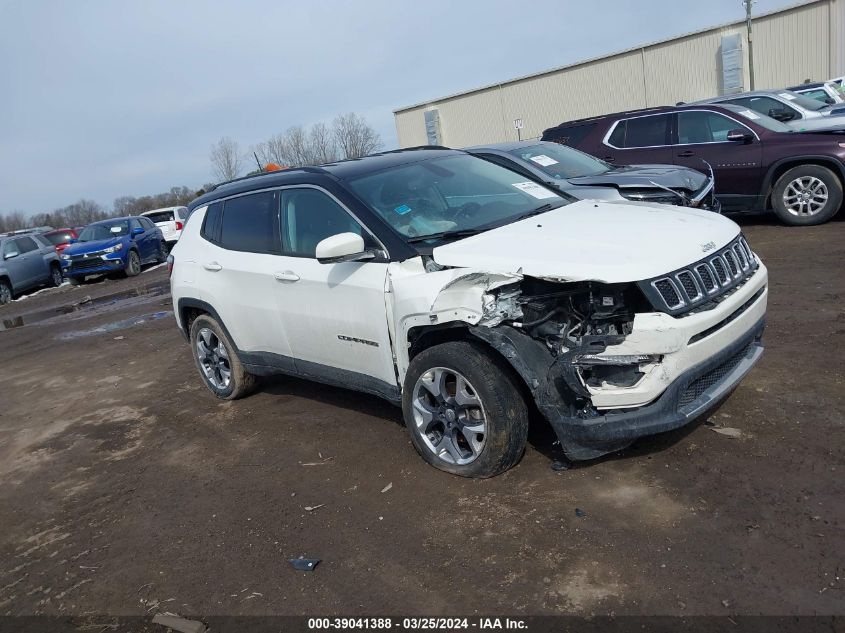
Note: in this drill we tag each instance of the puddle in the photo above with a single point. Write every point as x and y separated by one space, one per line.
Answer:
86 305
112 327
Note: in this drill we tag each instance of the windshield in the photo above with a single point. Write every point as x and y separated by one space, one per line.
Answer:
561 161
800 100
456 194
760 119
104 231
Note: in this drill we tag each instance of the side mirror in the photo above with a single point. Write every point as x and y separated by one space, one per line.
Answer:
11 255
781 114
137 231
740 136
343 247
73 240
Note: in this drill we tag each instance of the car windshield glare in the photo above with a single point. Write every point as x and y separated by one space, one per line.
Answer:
452 194
773 125
94 232
560 161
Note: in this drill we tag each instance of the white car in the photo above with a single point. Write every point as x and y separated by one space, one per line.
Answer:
460 290
170 220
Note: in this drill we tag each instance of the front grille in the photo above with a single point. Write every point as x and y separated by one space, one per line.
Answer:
721 273
94 262
704 283
713 377
689 285
729 258
667 290
706 277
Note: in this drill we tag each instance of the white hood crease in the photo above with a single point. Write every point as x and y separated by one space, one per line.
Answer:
610 242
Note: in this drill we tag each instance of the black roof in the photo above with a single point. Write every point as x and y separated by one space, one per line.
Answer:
340 170
627 113
506 146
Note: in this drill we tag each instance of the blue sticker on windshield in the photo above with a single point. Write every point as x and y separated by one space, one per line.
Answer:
402 210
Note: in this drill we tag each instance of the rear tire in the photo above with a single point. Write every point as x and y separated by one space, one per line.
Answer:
162 252
217 361
5 292
133 264
807 195
464 410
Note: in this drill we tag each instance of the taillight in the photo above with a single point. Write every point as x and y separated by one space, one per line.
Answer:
179 226
170 261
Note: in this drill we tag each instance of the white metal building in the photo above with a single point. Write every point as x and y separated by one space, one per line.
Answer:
804 41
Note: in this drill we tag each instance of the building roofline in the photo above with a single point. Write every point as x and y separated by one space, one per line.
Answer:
590 60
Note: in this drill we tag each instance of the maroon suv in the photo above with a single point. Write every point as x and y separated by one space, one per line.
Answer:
759 163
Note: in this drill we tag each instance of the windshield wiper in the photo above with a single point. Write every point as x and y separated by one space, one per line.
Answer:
447 234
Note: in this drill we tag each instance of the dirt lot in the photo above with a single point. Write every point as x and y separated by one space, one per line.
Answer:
126 488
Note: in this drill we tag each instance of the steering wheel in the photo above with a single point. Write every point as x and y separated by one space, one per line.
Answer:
467 210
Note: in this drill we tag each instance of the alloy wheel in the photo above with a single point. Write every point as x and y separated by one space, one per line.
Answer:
805 196
134 263
449 416
213 358
5 294
57 276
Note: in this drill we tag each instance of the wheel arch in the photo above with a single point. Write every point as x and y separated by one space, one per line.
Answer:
524 358
779 168
189 309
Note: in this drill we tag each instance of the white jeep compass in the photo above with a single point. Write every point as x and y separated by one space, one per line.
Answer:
463 292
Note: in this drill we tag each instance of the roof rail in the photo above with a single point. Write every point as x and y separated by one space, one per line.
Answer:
309 169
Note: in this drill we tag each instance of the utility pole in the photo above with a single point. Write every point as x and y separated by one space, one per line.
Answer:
748 4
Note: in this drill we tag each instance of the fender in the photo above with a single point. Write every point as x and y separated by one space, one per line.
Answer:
187 302
829 161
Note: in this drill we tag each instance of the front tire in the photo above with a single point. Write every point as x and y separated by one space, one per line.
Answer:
464 410
133 264
56 277
807 195
217 361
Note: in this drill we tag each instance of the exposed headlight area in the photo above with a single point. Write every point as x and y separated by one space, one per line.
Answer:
113 249
578 321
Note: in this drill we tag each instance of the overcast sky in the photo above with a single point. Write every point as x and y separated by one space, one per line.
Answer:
104 98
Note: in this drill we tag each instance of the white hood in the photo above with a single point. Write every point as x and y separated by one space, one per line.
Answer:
612 242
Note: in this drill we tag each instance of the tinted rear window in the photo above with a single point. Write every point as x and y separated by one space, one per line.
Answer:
212 221
58 238
572 135
251 224
164 216
645 131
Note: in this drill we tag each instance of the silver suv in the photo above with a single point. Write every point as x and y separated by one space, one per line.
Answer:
797 111
27 261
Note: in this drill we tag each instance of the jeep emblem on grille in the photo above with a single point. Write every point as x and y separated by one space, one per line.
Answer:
708 246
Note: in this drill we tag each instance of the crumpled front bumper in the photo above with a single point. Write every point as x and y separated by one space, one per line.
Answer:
693 394
703 356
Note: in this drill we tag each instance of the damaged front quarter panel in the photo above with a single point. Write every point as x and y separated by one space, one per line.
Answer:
449 295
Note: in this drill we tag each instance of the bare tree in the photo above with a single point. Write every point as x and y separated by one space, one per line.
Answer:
226 159
323 145
354 136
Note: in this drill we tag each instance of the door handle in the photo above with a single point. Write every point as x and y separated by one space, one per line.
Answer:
287 275
686 154
609 159
212 266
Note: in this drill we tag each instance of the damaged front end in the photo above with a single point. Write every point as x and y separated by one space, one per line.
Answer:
604 368
605 363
